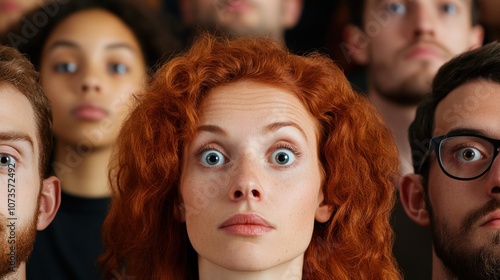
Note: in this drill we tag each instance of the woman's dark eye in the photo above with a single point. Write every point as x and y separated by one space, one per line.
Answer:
118 68
65 68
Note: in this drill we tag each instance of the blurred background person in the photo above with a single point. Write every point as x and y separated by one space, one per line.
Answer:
93 57
12 10
261 18
28 194
310 32
402 44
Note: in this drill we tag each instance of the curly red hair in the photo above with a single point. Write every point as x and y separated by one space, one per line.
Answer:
143 233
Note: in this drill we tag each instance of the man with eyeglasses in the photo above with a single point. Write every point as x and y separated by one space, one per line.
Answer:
456 185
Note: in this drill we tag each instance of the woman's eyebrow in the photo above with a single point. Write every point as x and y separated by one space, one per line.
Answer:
277 125
211 128
120 46
63 43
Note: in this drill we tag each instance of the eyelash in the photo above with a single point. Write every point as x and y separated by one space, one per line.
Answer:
287 146
279 146
205 148
292 148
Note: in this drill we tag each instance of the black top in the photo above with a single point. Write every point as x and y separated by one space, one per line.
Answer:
69 247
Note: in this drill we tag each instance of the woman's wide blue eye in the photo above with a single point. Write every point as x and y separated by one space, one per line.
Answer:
283 157
6 160
212 158
66 67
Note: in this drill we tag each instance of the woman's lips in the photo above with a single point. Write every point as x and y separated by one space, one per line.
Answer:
90 112
246 225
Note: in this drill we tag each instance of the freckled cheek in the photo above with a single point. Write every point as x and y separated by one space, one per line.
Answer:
200 194
301 198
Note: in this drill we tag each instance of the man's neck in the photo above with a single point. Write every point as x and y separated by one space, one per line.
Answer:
81 173
398 118
439 271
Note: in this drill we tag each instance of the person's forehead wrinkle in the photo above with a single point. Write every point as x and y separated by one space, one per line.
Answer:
212 129
273 127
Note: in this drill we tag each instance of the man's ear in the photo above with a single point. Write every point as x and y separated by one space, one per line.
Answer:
412 195
49 201
476 36
355 45
292 12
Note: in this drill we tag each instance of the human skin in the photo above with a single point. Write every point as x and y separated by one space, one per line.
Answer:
465 215
245 125
12 11
452 200
28 203
244 17
413 39
403 44
91 66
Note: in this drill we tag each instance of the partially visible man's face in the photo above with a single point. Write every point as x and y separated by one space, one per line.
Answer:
465 215
242 17
12 11
407 42
19 179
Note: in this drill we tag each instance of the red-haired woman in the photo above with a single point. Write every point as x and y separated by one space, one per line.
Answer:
244 161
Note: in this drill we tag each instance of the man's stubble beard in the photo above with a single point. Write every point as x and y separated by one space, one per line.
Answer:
24 241
215 23
455 249
410 91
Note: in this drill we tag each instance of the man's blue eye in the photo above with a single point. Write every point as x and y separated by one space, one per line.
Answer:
6 160
65 68
450 8
118 68
396 8
283 157
212 158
